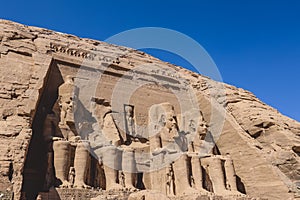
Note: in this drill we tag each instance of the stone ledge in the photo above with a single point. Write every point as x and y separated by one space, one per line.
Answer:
82 194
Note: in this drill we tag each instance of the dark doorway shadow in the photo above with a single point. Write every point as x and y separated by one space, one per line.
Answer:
240 185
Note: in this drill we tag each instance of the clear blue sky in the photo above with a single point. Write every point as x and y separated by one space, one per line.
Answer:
255 44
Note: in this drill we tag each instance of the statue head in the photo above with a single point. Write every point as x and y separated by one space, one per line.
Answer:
170 121
72 169
69 79
168 118
202 129
128 110
162 117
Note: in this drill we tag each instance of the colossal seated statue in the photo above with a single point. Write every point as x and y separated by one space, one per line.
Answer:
66 149
217 166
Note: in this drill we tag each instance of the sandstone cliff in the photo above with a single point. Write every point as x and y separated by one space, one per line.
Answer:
34 64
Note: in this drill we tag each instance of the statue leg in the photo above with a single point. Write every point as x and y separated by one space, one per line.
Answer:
81 164
197 173
111 163
181 174
214 167
147 180
61 161
230 175
128 167
157 173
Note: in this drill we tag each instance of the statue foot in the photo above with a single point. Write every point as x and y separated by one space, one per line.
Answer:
236 193
82 185
203 191
114 186
231 193
65 184
131 188
190 191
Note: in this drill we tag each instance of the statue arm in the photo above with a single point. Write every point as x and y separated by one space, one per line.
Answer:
155 143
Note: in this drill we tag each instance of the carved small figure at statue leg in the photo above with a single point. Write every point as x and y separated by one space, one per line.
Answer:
192 181
170 181
72 176
122 178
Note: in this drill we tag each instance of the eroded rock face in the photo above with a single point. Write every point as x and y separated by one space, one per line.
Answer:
64 128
